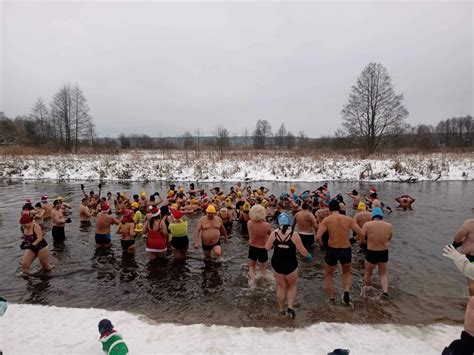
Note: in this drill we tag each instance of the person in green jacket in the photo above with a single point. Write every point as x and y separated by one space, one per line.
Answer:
112 342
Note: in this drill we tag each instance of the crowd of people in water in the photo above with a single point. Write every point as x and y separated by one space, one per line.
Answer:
303 218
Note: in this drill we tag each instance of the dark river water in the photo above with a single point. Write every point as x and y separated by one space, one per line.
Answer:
426 287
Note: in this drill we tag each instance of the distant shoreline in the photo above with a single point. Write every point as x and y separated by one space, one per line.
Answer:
144 166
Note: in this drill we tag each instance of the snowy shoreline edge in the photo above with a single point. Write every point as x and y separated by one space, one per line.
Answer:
74 330
149 166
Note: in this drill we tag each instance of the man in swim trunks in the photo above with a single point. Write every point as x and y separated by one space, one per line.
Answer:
307 225
339 248
464 237
210 228
85 213
259 230
377 234
405 201
58 222
104 220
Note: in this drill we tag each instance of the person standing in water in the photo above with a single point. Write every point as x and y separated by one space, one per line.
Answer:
405 201
285 242
259 230
306 224
339 249
33 244
104 220
59 222
126 229
179 235
157 234
377 234
209 229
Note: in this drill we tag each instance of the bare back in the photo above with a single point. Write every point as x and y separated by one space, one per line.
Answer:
103 223
338 227
306 222
378 234
258 233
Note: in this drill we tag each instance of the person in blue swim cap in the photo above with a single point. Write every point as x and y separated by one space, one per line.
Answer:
285 242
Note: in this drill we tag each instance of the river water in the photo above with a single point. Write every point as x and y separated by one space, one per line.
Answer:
426 287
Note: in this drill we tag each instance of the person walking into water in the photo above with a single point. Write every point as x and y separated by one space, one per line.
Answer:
209 230
339 249
259 230
33 244
285 242
377 235
306 225
104 220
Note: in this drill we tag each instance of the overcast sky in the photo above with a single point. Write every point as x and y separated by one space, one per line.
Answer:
163 68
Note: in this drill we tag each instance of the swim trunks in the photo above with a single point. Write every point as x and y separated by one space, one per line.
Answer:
258 254
307 240
85 224
180 243
58 234
103 238
210 247
127 243
334 255
325 239
376 256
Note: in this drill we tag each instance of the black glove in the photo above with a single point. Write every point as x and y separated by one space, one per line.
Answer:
26 245
82 186
68 220
156 194
100 185
352 240
456 244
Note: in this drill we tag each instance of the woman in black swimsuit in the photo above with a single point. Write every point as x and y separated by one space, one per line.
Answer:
285 265
33 244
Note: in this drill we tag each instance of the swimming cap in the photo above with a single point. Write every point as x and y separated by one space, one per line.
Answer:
44 198
333 206
181 189
155 212
25 218
105 326
284 219
134 204
293 188
177 214
239 193
246 207
210 209
143 194
361 206
377 212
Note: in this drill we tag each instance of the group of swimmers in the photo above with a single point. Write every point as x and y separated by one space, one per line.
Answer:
303 219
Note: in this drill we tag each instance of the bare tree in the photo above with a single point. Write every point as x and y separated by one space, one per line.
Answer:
221 140
374 110
124 141
246 137
40 114
263 130
280 136
302 139
188 142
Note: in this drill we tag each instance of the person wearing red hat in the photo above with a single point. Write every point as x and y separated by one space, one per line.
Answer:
157 234
33 244
126 229
104 220
179 235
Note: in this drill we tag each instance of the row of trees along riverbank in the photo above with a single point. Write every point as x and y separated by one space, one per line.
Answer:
374 119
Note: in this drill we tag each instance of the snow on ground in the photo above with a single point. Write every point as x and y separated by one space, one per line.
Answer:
151 166
31 329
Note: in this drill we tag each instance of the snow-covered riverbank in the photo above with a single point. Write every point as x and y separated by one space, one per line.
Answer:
150 166
29 329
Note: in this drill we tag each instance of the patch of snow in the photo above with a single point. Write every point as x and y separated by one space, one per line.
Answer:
32 329
152 166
